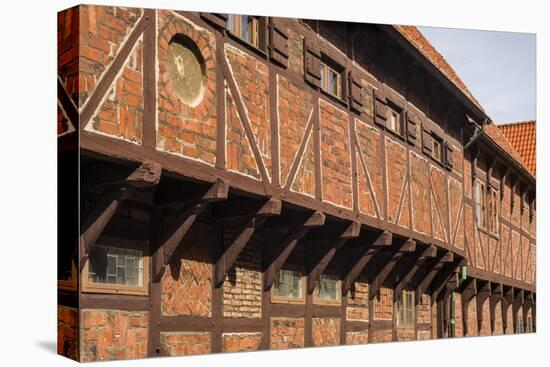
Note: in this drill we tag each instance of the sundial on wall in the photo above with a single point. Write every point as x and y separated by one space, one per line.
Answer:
186 70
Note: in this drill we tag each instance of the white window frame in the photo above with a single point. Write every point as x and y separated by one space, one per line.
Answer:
235 26
322 300
405 310
283 299
325 71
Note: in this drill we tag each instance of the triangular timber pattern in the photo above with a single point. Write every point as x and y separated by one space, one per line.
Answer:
238 150
397 180
516 255
506 249
456 213
120 113
481 247
251 78
439 210
469 234
420 189
297 165
104 30
368 143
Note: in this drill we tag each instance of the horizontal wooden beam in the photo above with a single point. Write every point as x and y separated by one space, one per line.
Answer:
173 237
226 261
287 245
435 266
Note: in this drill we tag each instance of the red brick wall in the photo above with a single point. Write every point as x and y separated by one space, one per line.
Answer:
486 323
335 156
509 321
383 304
325 331
420 194
186 343
295 52
396 172
295 107
382 336
357 337
423 310
241 342
498 319
68 36
472 318
113 334
242 288
252 79
67 332
358 302
516 253
189 131
456 214
505 250
516 210
467 175
287 333
459 320
103 30
506 200
439 204
187 281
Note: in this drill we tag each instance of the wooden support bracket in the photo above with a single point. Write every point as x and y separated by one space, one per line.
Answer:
226 261
483 292
437 264
428 253
405 247
496 296
374 245
145 175
287 245
173 237
352 231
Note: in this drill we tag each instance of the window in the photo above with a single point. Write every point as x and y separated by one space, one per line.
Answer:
405 309
481 204
327 289
394 121
493 210
245 27
519 324
437 149
331 80
288 286
114 269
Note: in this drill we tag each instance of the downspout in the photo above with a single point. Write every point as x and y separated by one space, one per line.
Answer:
478 132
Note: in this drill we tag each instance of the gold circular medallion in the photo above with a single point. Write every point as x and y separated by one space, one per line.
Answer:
186 71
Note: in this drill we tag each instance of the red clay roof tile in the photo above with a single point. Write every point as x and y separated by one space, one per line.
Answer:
522 136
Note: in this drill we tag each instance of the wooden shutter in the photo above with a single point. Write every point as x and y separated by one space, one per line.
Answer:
426 140
217 19
448 155
412 127
278 42
312 62
355 92
380 108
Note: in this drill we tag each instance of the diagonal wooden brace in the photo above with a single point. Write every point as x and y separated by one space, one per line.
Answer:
146 175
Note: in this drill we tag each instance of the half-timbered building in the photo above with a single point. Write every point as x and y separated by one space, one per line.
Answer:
234 183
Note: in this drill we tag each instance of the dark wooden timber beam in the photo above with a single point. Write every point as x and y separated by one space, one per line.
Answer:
374 245
517 303
428 253
145 175
438 263
449 270
469 290
173 237
404 247
352 231
287 245
496 297
507 300
483 292
226 261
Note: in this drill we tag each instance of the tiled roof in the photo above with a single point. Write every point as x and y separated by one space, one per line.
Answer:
417 39
523 137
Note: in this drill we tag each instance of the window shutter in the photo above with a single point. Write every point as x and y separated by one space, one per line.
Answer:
380 108
426 140
448 155
278 42
312 62
412 126
355 94
217 19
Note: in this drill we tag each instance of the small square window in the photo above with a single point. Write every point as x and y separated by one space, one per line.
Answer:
331 80
245 27
288 286
327 289
394 121
437 150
